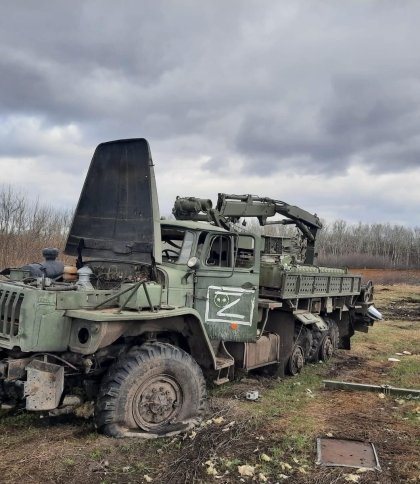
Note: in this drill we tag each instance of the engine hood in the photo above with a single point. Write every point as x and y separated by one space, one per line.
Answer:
117 216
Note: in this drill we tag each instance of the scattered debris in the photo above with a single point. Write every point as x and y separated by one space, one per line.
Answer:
218 420
252 395
406 353
6 406
265 458
147 478
228 426
347 453
386 389
352 478
85 410
362 470
285 466
246 470
393 359
211 470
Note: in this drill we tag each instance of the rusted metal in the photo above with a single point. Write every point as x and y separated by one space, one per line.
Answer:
16 369
347 453
269 303
44 385
265 351
363 387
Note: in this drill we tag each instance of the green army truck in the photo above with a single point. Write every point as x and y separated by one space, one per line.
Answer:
154 308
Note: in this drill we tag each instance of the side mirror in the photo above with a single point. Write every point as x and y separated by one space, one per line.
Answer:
193 263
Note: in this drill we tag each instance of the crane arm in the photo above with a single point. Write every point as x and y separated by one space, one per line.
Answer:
230 208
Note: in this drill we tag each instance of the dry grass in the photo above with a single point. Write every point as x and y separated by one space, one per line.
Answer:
390 276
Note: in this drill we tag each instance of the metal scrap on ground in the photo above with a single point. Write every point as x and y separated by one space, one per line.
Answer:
347 453
363 387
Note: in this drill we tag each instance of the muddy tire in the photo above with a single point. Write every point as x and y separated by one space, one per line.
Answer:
155 388
324 343
296 361
334 332
303 338
326 349
317 338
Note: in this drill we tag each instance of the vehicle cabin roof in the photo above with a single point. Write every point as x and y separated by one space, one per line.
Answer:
193 225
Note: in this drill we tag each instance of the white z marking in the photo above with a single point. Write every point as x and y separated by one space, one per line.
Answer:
222 312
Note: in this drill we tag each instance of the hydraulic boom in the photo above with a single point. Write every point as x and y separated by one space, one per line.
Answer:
230 208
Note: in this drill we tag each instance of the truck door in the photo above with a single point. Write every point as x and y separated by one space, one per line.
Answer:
226 285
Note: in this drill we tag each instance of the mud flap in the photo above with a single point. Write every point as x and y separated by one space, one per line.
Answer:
44 385
308 318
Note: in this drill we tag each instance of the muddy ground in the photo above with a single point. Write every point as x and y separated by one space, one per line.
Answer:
275 436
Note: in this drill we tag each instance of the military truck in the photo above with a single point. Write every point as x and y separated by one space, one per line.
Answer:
153 307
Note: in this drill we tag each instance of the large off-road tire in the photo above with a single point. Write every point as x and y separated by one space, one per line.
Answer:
303 338
296 361
155 388
324 343
334 332
302 343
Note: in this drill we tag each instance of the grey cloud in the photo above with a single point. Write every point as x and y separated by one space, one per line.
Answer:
364 117
310 87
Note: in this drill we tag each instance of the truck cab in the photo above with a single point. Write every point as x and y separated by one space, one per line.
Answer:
220 271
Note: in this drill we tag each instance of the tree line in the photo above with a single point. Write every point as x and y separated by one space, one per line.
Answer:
372 246
26 227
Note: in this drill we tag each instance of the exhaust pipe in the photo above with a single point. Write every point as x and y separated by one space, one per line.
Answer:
374 314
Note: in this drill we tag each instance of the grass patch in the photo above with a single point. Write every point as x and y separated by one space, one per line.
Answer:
96 454
406 373
290 394
69 462
413 416
18 420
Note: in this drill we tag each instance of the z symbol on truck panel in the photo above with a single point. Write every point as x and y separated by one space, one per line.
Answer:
230 304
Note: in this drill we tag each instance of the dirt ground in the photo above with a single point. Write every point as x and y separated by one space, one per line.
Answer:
275 436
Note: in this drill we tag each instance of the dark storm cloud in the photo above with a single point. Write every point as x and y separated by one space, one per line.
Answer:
302 83
257 87
363 117
81 61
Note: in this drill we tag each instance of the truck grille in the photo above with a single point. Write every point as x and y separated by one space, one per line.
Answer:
10 304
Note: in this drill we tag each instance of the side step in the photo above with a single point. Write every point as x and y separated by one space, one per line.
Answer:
225 365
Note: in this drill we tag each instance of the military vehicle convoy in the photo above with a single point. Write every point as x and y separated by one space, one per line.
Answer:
153 306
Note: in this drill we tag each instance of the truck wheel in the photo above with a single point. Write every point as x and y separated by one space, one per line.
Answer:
296 361
326 349
334 332
325 342
329 343
317 337
154 388
303 338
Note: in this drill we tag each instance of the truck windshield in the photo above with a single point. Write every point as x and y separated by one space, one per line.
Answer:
176 245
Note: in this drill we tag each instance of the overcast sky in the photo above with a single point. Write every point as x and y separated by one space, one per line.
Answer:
316 103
